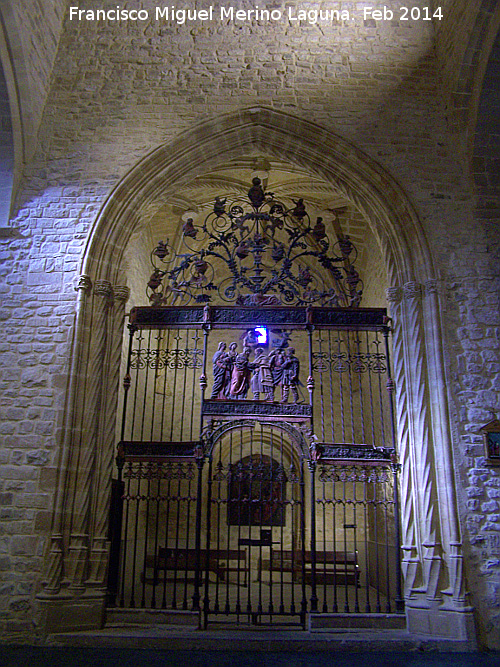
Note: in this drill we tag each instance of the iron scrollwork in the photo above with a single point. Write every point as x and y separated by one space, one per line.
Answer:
271 254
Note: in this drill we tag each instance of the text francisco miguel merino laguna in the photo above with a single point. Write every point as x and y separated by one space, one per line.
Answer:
212 13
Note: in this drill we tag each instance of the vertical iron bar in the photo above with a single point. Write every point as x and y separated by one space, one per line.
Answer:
164 397
125 538
184 384
206 600
370 386
126 383
284 494
177 338
314 599
333 469
272 473
136 527
387 560
136 387
376 536
355 538
250 521
320 369
344 502
351 397
159 468
188 533
179 473
146 535
193 384
330 364
360 384
229 488
167 523
314 596
382 420
197 538
367 558
155 380
341 387
146 392
325 549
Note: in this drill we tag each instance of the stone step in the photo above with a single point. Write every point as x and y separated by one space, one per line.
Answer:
330 621
172 617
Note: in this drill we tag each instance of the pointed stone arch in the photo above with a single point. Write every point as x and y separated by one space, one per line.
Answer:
434 584
372 189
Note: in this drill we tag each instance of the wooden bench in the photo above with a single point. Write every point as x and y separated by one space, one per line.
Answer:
181 561
332 567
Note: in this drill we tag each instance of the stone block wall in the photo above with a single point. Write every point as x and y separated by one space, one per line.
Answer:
119 90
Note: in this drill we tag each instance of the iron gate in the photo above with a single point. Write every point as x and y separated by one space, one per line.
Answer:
257 510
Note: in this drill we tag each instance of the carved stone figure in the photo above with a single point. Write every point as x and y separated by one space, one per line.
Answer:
230 359
262 380
277 361
240 379
250 340
290 381
219 371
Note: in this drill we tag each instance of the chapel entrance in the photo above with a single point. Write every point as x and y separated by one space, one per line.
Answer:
260 509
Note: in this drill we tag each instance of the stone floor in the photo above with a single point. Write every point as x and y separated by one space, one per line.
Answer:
227 656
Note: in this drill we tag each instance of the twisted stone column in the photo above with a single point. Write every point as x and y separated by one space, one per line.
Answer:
54 570
423 472
455 594
411 564
106 441
85 471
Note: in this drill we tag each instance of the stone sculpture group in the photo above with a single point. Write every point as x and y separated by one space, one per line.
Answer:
234 373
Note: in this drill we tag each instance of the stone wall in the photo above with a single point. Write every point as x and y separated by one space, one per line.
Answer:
122 89
477 363
36 36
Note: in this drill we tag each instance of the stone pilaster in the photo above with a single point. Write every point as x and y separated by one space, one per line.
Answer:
424 483
85 473
411 564
107 440
54 566
455 594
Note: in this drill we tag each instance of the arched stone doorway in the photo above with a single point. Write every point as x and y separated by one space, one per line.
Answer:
432 559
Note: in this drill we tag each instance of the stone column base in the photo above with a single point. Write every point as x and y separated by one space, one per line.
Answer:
442 622
71 614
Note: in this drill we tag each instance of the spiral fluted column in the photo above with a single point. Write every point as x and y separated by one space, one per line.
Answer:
106 441
85 472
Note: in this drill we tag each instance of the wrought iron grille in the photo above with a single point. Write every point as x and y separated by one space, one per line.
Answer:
248 508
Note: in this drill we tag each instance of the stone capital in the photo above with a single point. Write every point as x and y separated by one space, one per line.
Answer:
431 287
412 290
121 293
84 283
394 294
103 288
